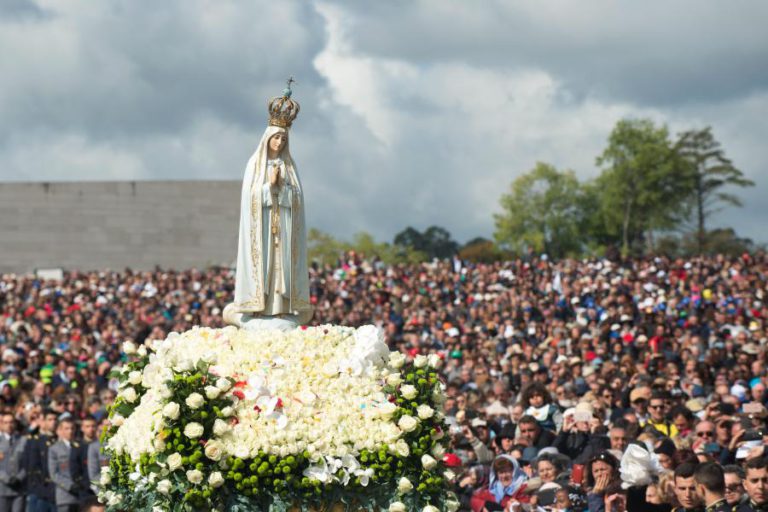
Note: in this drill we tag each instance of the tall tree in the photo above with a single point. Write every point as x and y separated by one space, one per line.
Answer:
712 172
644 184
541 212
435 241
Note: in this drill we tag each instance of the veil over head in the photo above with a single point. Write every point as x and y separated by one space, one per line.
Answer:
250 282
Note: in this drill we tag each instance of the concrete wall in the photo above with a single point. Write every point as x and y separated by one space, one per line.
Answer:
113 225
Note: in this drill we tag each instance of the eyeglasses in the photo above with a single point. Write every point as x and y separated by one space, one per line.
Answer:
657 406
707 433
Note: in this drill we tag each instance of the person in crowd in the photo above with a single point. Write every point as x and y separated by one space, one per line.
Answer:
60 467
710 487
734 487
506 484
685 488
602 473
756 485
40 488
533 436
537 402
11 476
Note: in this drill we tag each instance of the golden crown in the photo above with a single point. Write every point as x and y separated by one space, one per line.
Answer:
282 109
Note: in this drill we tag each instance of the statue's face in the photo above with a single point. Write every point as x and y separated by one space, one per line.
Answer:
277 142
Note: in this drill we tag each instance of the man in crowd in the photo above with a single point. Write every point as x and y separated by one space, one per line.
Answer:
11 445
710 487
756 485
685 488
60 467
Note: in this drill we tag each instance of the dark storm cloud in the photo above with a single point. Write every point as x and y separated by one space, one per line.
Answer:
651 53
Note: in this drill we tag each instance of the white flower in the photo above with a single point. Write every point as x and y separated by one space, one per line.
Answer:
409 392
408 423
171 410
212 392
195 401
227 411
134 377
434 361
397 506
430 508
220 427
105 479
404 486
401 448
425 412
193 430
117 420
141 351
451 505
396 360
195 476
420 361
386 410
364 475
438 451
223 384
210 357
129 348
164 487
129 394
428 462
449 475
216 480
174 461
214 450
394 379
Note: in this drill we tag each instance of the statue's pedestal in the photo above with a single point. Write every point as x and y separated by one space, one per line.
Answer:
260 323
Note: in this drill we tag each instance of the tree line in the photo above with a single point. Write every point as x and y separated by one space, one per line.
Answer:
655 193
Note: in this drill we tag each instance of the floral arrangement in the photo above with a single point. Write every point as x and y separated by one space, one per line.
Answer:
237 420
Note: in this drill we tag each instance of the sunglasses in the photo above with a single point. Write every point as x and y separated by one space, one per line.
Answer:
707 433
661 406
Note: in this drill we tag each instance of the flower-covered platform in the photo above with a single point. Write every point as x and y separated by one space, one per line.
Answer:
237 420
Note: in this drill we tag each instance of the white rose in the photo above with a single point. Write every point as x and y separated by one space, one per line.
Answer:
195 401
223 384
216 480
449 475
164 487
438 396
396 359
430 508
159 445
174 461
212 392
387 410
438 451
134 377
171 410
142 351
397 506
425 412
105 479
408 423
129 348
195 476
409 392
193 430
404 486
117 420
129 394
434 361
220 427
451 505
394 379
401 448
420 361
214 450
227 411
428 462
210 357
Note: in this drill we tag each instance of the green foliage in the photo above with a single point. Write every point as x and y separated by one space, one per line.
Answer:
712 173
435 242
482 250
543 211
644 183
325 249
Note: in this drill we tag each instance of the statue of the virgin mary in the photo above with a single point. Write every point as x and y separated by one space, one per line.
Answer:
272 281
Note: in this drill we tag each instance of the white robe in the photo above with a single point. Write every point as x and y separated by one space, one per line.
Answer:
266 285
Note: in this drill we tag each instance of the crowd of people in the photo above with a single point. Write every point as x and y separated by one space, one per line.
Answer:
572 385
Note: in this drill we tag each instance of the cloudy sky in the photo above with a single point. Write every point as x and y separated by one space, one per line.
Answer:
413 112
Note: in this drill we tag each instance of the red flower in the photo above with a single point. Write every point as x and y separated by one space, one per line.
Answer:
279 403
303 327
257 408
239 394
